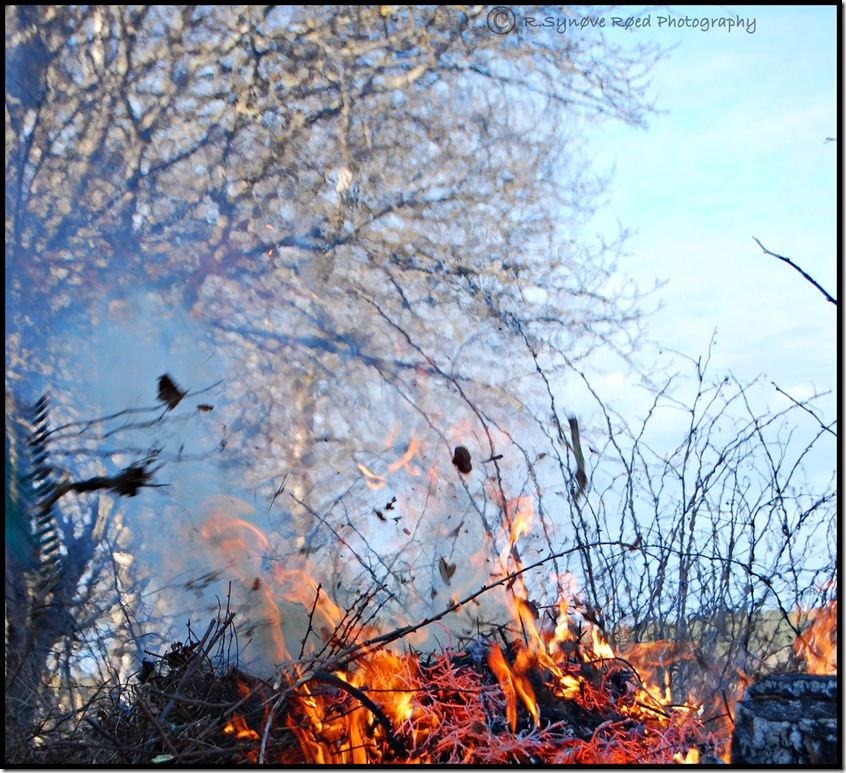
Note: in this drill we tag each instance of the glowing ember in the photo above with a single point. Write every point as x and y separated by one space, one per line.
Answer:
537 701
691 758
451 712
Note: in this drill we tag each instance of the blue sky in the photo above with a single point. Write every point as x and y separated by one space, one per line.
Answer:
739 151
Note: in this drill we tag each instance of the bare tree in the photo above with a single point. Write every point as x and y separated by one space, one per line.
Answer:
337 191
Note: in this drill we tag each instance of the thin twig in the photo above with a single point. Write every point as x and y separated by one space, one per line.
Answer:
310 620
102 731
146 709
189 701
807 276
359 650
88 423
267 724
804 408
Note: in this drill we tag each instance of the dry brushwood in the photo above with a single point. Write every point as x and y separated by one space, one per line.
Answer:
177 708
488 704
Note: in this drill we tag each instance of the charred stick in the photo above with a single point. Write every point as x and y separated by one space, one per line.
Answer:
126 483
170 747
357 651
326 678
120 747
728 707
653 709
636 674
96 725
826 427
91 422
190 701
310 619
805 274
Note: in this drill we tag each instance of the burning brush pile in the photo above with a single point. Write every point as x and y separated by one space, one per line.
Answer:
528 693
547 688
547 697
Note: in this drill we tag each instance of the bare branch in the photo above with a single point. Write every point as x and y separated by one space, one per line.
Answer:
805 408
804 274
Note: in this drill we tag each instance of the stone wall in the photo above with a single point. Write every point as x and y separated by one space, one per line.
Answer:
791 719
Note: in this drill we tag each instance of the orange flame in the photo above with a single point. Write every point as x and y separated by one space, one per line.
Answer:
240 545
374 482
444 711
239 727
241 548
522 665
404 460
520 513
503 675
691 758
818 645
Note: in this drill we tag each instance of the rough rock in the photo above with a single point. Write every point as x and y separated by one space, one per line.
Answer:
790 719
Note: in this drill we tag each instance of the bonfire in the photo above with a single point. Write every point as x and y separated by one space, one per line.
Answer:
544 688
530 693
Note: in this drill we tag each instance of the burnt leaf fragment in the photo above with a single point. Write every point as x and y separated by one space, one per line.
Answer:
169 393
148 668
461 459
134 477
446 569
581 476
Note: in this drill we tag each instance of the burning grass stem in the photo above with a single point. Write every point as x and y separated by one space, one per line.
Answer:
457 745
